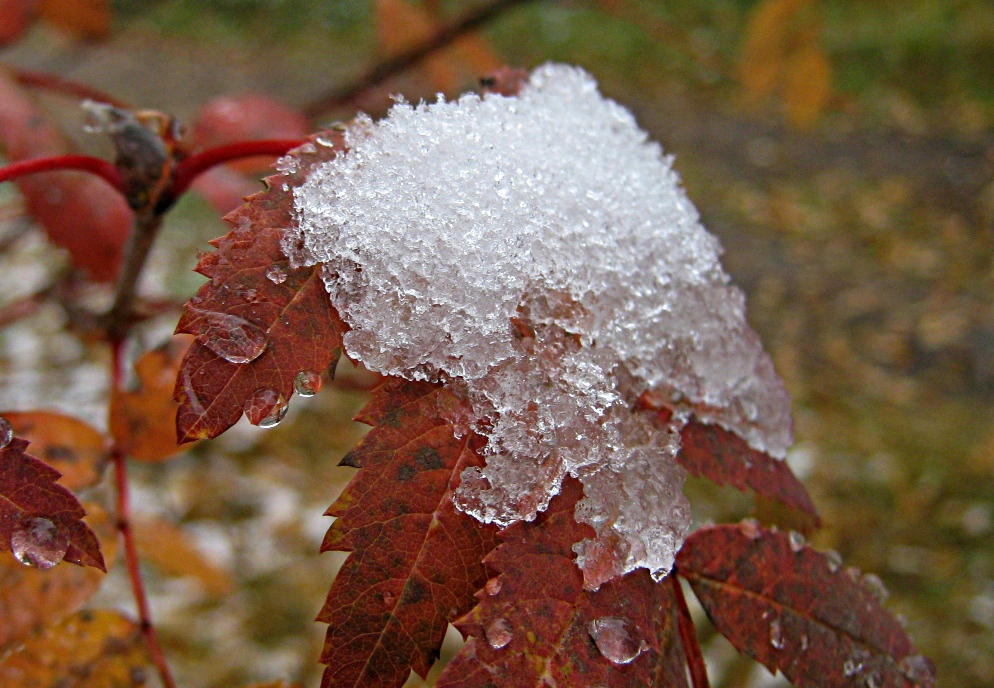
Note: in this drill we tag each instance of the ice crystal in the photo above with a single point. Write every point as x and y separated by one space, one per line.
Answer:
538 253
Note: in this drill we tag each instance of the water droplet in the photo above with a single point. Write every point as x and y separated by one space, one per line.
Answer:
872 680
872 582
833 560
614 641
854 573
776 634
499 633
750 528
492 587
389 598
6 432
797 541
916 668
38 542
266 408
307 383
854 664
276 274
251 295
804 642
234 339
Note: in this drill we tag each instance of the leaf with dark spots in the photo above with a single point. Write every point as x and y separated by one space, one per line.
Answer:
794 609
415 561
78 451
723 457
40 520
258 322
535 624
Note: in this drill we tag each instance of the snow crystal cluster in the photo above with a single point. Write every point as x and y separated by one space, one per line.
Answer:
537 253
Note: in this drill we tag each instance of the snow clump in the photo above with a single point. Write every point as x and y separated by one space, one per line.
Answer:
538 254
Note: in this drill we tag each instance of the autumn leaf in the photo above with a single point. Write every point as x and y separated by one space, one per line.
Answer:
143 419
795 609
15 18
91 649
32 598
40 520
88 19
171 550
260 324
415 561
79 212
75 449
536 625
725 458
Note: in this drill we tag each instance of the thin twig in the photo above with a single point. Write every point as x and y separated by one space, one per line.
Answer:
198 163
120 317
84 163
127 535
398 63
688 637
56 84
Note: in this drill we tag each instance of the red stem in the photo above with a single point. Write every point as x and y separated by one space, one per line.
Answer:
196 164
85 163
127 535
50 82
688 637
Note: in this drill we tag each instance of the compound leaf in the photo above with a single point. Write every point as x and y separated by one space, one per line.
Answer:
415 561
795 609
258 322
536 625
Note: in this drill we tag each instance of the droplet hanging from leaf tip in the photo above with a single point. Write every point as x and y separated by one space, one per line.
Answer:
613 640
797 541
750 528
6 432
39 543
872 582
499 633
307 383
833 560
776 635
266 408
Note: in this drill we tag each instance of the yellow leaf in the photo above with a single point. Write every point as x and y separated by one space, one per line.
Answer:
173 552
90 649
32 598
70 446
143 421
807 86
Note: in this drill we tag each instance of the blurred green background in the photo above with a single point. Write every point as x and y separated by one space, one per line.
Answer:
842 150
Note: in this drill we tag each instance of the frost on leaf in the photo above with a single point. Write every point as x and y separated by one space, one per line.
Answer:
537 253
535 624
415 561
794 609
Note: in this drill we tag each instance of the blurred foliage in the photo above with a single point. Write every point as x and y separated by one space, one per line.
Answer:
863 234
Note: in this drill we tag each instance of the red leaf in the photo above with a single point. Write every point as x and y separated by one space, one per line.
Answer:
536 625
15 18
725 458
258 322
793 609
415 561
80 212
39 519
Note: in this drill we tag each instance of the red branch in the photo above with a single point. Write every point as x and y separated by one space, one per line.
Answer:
130 548
688 636
50 82
189 169
85 163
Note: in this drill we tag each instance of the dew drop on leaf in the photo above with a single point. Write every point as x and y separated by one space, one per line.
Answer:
872 582
872 680
251 295
266 408
38 543
797 541
6 432
389 598
307 383
854 664
499 633
833 560
750 528
276 274
776 634
804 642
916 668
493 586
234 339
854 573
612 638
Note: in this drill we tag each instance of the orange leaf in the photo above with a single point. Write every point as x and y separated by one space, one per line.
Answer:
75 449
82 18
95 649
31 598
172 552
143 420
807 85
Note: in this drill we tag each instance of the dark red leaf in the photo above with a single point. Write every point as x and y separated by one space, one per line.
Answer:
415 561
536 625
15 18
80 212
794 609
258 322
725 458
40 520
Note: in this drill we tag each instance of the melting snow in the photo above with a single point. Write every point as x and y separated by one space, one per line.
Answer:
538 253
